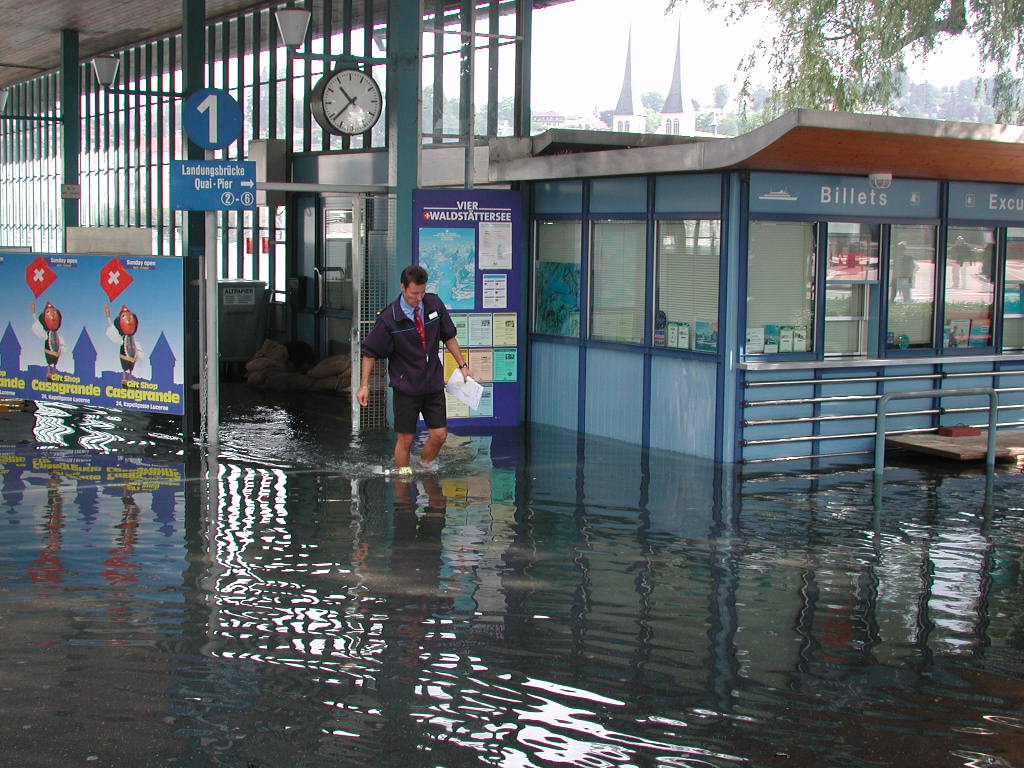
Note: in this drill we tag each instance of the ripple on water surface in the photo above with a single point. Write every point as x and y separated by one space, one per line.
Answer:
539 601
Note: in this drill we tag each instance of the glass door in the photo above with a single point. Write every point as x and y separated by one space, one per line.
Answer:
339 259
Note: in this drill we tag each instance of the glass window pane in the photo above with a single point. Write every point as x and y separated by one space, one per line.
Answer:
844 301
845 319
1013 294
556 308
970 291
688 253
780 287
617 279
911 286
852 251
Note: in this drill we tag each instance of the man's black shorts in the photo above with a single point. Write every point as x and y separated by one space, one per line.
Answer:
409 407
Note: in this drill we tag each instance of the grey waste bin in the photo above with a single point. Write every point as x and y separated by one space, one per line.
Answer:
242 318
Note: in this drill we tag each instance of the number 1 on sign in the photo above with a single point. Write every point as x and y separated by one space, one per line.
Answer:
209 104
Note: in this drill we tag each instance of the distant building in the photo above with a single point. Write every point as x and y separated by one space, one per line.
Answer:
548 119
678 116
628 116
587 122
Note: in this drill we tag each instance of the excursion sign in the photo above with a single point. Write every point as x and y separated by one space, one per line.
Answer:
213 185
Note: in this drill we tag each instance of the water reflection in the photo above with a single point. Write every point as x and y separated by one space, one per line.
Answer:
543 600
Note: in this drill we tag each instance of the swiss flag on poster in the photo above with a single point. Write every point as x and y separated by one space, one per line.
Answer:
114 278
39 276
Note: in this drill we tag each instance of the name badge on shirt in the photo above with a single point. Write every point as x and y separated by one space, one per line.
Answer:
432 315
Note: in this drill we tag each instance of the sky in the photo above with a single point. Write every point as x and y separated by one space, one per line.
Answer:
579 50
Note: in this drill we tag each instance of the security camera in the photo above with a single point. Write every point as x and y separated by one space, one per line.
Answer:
880 180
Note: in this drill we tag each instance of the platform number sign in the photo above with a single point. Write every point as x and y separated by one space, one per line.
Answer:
212 118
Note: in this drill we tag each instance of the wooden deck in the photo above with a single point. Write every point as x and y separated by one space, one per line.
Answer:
1009 445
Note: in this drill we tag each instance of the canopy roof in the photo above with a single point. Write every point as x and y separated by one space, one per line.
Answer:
31 29
804 140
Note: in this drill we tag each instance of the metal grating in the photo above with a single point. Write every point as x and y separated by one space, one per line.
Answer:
379 263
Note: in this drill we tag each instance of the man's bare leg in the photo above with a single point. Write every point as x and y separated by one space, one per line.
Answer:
403 449
435 440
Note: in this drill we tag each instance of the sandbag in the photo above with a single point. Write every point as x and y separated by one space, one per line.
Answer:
282 380
335 365
262 363
257 378
337 384
274 350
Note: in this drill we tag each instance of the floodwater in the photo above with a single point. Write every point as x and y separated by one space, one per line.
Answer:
542 601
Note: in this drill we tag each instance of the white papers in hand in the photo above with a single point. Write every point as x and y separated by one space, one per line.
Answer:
467 391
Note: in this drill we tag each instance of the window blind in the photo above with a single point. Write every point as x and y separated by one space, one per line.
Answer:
617 280
688 256
780 274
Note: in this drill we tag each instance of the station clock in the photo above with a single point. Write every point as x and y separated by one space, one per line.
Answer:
346 102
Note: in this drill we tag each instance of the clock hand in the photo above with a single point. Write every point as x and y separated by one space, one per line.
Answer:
345 94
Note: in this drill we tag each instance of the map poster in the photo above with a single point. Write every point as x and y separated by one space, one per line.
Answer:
92 330
449 256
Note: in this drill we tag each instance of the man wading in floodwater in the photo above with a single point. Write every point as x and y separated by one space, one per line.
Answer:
407 334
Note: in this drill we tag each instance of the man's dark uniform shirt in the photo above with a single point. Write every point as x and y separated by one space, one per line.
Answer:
412 370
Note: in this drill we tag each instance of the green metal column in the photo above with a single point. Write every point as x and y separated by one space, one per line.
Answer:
193 62
71 117
524 30
404 49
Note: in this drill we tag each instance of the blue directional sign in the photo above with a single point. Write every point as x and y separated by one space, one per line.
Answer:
212 118
213 185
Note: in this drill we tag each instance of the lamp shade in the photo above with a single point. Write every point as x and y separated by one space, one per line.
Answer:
293 23
3 99
105 68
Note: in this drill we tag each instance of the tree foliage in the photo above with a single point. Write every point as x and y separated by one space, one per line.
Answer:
850 55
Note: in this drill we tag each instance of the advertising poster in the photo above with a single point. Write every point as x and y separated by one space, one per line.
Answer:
470 242
92 330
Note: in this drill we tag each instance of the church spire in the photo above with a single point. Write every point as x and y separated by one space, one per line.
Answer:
678 117
627 102
674 100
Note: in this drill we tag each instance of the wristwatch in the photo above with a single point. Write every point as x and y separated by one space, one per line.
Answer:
464 365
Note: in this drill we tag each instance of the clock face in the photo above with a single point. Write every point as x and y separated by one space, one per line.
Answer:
346 101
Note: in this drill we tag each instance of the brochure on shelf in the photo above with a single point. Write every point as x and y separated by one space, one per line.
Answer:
755 341
786 338
799 338
683 336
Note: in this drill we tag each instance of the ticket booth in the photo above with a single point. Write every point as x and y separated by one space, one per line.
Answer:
751 299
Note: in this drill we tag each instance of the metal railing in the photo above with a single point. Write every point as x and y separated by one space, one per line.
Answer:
935 410
993 417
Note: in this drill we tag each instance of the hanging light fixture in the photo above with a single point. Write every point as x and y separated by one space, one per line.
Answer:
105 68
292 23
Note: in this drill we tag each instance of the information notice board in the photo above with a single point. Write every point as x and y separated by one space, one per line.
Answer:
93 330
469 242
